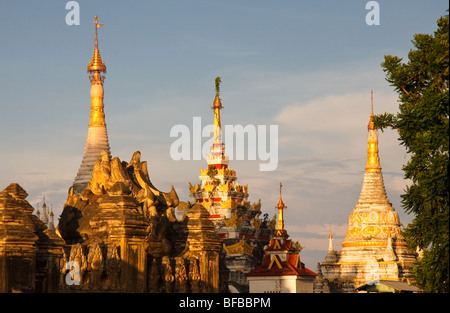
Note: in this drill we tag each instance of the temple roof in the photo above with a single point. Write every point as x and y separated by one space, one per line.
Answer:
281 256
388 286
273 266
16 191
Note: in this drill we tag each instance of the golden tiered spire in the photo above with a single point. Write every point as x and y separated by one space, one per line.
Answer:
218 147
95 68
280 206
374 247
96 63
97 138
373 158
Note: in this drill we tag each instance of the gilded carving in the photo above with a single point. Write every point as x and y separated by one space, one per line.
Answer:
233 221
168 276
180 275
354 218
353 232
225 187
230 172
77 255
203 172
63 270
256 222
112 265
237 188
209 187
241 247
370 231
101 174
193 189
257 206
228 204
273 222
95 266
154 277
194 275
374 217
206 204
391 217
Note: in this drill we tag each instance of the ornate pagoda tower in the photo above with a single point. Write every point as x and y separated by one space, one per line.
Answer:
281 270
236 220
219 191
374 248
97 138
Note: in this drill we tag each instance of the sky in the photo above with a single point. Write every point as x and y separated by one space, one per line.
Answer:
306 66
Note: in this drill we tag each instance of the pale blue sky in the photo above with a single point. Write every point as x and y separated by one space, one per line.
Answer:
306 66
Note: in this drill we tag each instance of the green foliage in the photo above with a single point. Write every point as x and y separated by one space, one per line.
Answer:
212 171
423 128
297 246
218 81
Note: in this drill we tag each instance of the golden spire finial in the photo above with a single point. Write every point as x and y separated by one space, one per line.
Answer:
373 158
280 206
371 100
96 63
97 25
370 125
218 147
95 69
217 103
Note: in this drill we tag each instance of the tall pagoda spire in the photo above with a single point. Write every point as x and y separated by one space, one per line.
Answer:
373 218
95 69
97 138
373 158
218 148
280 206
330 241
44 213
219 191
374 245
331 254
235 219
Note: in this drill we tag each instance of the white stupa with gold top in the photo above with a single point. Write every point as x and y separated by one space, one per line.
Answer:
236 220
97 138
374 248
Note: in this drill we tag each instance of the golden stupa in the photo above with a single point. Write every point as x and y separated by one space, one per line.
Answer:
374 248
